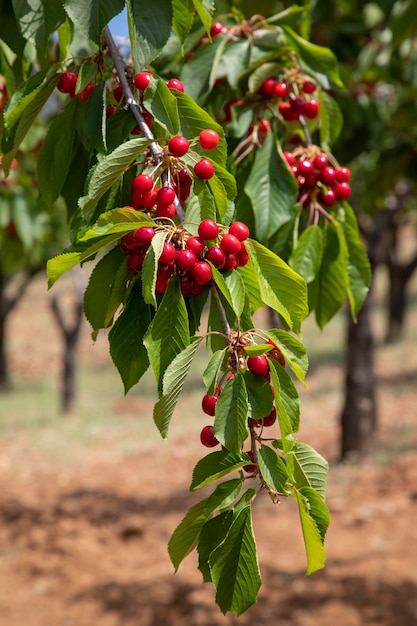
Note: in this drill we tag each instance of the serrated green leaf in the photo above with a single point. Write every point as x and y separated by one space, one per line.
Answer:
223 495
100 288
219 194
230 422
273 469
317 509
86 74
232 287
280 287
185 537
287 405
200 205
195 75
234 566
150 267
116 221
160 101
212 370
257 349
359 269
272 189
55 155
110 168
204 10
118 293
91 16
38 20
215 465
212 535
149 29
182 17
173 382
306 257
316 555
331 119
168 333
333 278
308 467
235 60
259 396
126 338
93 119
293 350
251 281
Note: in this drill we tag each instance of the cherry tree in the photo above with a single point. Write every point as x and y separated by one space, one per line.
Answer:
198 176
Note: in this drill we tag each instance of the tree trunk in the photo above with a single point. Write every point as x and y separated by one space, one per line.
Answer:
359 416
4 367
399 276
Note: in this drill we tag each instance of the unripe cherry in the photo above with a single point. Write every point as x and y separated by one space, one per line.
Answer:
207 437
230 244
204 169
216 256
208 229
178 146
209 139
239 230
142 80
258 365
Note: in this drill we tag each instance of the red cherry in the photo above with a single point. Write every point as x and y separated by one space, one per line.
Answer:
141 184
168 253
149 198
187 284
196 289
327 198
234 102
216 29
178 146
166 195
270 419
281 90
310 109
128 242
135 260
167 212
144 235
287 112
147 118
67 82
208 404
343 174
161 285
230 244
185 260
320 161
165 270
111 110
258 365
243 256
297 104
86 92
175 84
264 126
216 256
142 80
118 93
196 244
136 200
328 176
342 191
204 169
304 167
290 158
208 229
184 178
231 262
250 469
202 273
239 230
308 87
268 86
207 437
209 139
275 353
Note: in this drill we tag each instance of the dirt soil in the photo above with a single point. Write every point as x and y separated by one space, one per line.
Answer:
85 545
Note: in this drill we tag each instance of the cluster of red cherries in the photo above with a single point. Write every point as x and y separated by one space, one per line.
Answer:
187 255
259 366
318 179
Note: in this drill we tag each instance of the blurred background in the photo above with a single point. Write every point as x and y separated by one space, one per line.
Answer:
90 494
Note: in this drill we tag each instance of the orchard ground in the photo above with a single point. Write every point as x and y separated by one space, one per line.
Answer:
88 501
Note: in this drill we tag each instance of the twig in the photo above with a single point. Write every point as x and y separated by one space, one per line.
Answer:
220 308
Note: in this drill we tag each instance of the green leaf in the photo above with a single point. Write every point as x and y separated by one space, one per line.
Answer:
182 18
93 119
185 537
38 19
331 119
273 469
56 153
257 349
223 495
126 338
293 350
87 74
234 566
212 535
317 509
280 287
272 189
195 74
116 221
316 555
150 267
333 278
219 194
251 281
118 293
316 58
308 467
359 269
160 101
200 204
259 396
307 255
76 254
286 403
149 29
212 370
231 414
232 287
91 16
173 382
110 168
100 288
235 60
215 465
168 333
204 10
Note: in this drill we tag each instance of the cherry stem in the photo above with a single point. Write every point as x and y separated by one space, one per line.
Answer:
220 308
154 147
